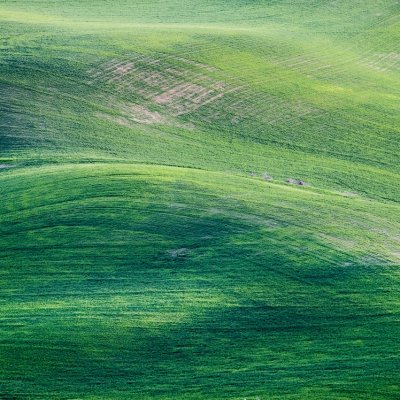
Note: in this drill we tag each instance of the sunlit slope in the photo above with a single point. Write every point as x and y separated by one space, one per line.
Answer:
155 242
293 98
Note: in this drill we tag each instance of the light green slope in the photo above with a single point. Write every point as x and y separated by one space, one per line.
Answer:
150 244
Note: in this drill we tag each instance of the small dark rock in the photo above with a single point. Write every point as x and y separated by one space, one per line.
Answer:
296 182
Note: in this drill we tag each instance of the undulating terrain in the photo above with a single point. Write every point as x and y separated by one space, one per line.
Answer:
200 199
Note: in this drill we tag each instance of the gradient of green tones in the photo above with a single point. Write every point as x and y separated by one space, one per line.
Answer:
144 261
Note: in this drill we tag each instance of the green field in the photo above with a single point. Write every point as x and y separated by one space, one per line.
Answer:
200 199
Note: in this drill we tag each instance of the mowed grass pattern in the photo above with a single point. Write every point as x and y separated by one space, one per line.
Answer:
155 242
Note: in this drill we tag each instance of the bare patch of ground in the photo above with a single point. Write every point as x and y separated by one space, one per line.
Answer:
267 177
6 166
142 115
177 86
178 253
296 182
134 113
124 69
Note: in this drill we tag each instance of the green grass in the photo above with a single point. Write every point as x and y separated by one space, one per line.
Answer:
143 255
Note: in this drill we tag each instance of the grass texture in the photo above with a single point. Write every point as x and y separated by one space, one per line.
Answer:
199 200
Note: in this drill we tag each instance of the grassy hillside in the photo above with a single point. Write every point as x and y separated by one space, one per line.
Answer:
199 201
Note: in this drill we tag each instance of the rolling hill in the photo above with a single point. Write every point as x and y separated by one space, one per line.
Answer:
199 200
